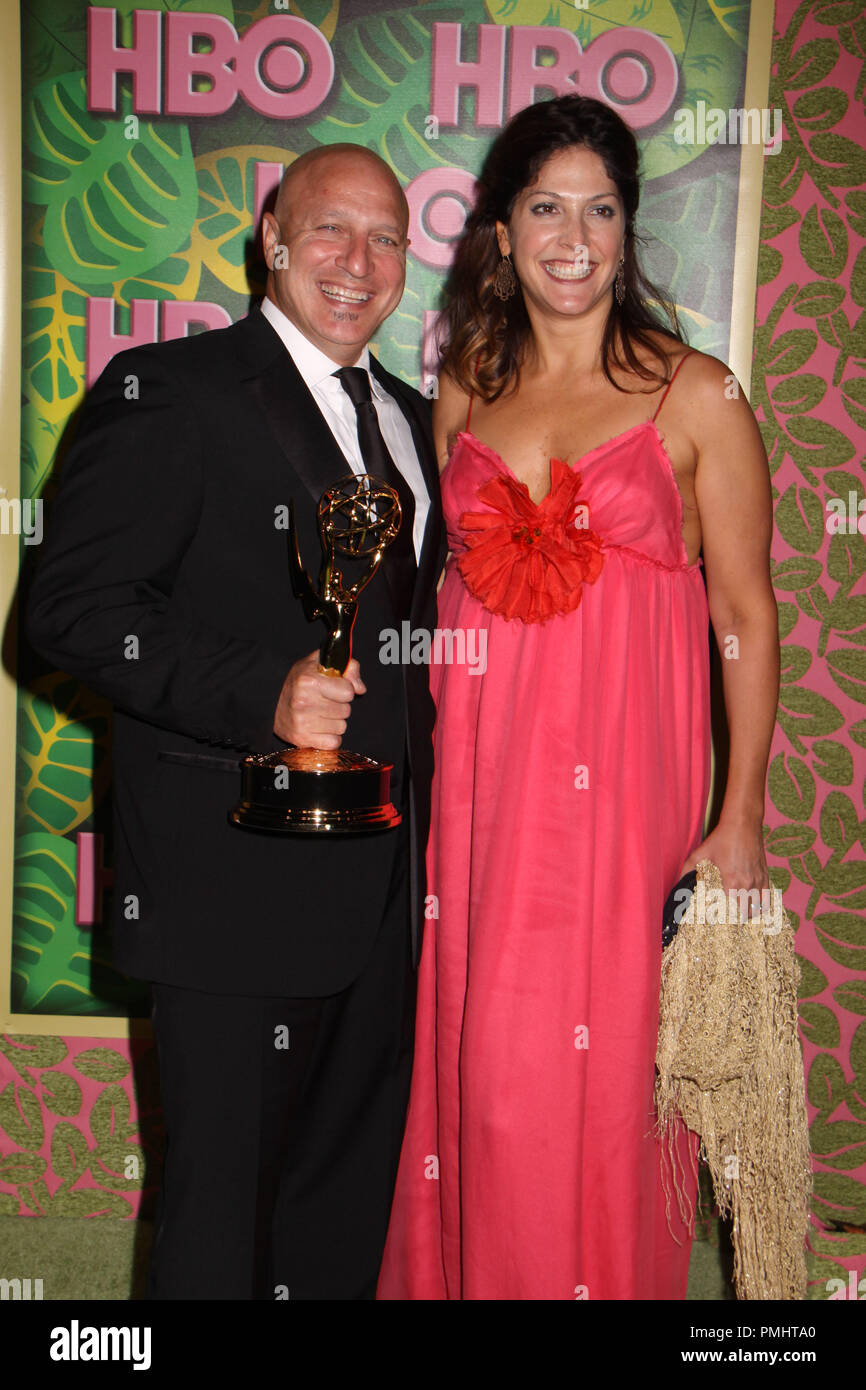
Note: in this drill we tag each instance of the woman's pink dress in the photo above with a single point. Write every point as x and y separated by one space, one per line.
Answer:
571 783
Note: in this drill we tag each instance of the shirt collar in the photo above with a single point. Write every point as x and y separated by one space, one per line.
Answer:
315 366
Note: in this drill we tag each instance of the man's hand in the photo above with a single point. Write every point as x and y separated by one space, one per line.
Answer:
313 709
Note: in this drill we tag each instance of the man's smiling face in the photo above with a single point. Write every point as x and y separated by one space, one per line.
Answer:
335 247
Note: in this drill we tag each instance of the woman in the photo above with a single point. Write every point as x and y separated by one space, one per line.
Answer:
589 460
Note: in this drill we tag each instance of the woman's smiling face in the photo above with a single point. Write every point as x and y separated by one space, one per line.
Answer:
566 234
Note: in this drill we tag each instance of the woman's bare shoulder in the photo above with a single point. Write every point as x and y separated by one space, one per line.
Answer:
708 384
705 369
711 408
450 409
452 401
701 373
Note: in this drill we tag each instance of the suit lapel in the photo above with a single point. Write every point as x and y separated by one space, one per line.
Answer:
298 426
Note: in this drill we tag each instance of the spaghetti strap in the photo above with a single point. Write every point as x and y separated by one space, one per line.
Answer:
671 382
469 412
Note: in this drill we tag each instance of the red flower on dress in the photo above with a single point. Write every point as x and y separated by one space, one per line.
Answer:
528 560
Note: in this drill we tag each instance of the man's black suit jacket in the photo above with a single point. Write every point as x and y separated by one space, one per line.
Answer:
164 585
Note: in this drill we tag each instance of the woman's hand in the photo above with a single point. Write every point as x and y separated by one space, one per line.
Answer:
737 850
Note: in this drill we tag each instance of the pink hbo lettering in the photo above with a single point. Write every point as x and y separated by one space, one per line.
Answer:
283 66
631 70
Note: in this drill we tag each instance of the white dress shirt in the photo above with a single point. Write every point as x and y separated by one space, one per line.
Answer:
317 371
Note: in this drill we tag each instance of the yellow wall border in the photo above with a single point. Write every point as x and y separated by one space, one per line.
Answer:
10 477
744 290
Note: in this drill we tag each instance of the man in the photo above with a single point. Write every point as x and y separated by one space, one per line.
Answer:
281 964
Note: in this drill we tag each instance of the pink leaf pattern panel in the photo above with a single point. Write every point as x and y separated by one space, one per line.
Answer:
810 395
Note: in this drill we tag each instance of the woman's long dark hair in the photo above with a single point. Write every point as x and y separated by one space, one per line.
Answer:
485 338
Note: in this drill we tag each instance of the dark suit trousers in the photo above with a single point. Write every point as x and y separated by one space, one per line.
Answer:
281 1161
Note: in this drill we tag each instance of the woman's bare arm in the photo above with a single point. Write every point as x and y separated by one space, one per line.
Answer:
732 491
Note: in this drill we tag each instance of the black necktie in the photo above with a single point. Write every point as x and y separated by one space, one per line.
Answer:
400 555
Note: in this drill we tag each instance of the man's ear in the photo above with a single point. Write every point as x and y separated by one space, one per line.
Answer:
503 239
270 238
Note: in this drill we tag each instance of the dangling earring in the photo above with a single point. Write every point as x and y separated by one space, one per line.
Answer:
619 282
504 281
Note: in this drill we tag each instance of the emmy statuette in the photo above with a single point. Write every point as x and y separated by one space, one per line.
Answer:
322 790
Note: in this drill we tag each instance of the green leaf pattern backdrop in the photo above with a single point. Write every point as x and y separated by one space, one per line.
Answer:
809 391
170 217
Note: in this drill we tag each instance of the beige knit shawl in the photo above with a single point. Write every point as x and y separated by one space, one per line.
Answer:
730 1065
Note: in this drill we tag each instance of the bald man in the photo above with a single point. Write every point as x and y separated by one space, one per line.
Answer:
281 965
